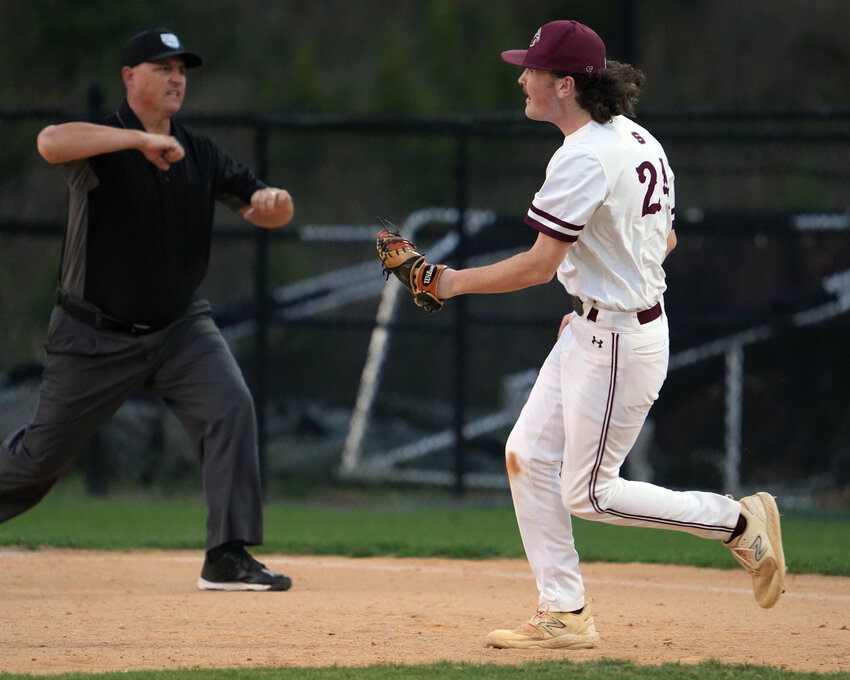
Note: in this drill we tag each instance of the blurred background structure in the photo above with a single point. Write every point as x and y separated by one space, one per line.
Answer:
403 109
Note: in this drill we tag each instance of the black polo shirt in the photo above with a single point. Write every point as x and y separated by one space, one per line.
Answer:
137 244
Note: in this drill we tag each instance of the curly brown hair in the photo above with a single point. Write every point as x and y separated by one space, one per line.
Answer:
609 93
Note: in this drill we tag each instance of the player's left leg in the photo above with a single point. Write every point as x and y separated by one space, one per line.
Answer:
607 397
610 381
758 547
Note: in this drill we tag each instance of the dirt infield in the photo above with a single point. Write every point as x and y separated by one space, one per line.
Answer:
82 611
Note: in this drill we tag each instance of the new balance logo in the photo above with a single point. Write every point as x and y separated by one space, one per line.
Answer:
596 342
758 549
552 625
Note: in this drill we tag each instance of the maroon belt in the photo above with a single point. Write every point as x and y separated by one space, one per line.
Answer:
643 317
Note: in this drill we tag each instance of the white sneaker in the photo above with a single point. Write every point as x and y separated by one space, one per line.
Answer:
549 630
759 548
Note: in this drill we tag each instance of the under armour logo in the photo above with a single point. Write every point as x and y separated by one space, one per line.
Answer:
596 342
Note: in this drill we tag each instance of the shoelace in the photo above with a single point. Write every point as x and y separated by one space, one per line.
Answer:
249 564
246 561
745 557
542 615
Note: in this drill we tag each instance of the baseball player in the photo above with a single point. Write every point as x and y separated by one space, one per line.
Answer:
604 221
142 191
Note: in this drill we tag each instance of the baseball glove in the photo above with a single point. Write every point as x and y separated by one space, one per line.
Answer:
400 257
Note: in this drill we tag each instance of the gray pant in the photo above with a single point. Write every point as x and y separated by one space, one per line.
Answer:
89 373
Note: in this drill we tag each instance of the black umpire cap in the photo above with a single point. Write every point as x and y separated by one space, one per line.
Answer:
156 45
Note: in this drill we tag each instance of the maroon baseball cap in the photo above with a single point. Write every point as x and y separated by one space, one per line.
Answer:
561 46
156 45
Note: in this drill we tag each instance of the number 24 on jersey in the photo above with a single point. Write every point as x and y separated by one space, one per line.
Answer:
648 174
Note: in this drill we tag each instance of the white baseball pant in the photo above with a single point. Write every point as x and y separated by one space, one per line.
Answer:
565 451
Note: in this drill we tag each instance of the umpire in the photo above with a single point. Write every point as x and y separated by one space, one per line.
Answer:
142 192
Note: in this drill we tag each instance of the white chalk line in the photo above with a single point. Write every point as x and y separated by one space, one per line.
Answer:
364 564
496 573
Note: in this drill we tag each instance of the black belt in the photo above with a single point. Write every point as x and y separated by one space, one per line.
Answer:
96 319
643 317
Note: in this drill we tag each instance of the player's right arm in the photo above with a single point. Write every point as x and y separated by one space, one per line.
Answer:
73 141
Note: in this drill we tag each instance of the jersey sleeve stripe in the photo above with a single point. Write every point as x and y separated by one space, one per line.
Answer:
543 229
551 225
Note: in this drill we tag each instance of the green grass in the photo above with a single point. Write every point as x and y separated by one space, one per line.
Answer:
539 670
813 543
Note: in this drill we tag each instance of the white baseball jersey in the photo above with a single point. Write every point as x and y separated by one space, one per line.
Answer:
609 189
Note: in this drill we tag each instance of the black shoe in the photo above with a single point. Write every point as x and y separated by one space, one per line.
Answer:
237 570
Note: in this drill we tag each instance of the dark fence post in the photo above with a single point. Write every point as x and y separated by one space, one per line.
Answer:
96 460
461 348
94 97
261 301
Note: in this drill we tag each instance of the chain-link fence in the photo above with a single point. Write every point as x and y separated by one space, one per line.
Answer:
756 393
